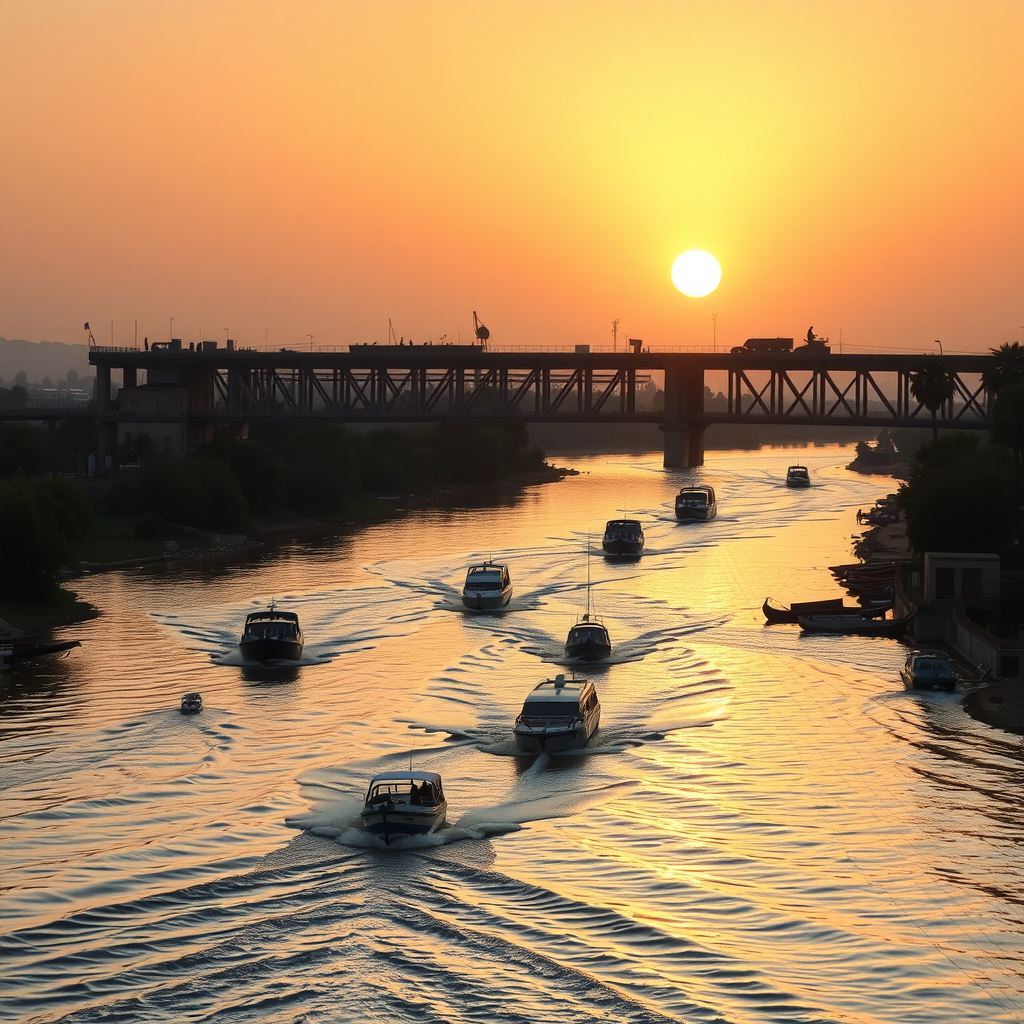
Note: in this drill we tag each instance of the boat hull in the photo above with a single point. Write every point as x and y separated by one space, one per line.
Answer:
623 548
778 614
266 649
486 602
855 625
588 650
403 821
557 738
911 682
686 513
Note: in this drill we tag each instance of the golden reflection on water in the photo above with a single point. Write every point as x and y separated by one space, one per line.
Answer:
766 827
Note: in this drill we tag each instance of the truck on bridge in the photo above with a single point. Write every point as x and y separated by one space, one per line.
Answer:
781 346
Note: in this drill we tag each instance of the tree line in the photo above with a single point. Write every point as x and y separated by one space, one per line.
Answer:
316 470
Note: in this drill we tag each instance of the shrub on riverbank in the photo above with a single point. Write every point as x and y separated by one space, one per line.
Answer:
41 521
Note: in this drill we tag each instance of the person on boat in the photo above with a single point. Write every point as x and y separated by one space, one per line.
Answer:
414 795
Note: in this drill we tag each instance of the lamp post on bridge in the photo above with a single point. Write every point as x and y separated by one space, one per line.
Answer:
939 343
714 332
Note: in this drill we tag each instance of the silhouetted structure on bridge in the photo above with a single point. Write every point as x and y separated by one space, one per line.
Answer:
188 392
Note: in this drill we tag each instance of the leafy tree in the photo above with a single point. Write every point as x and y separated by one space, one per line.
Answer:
22 449
1008 367
321 468
21 379
191 492
958 497
256 468
1008 429
387 461
933 385
47 517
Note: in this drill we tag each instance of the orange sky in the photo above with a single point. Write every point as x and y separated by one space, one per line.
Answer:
315 168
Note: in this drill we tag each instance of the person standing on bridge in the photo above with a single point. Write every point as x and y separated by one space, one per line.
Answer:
810 334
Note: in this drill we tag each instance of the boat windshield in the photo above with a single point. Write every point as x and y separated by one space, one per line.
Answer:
478 584
933 666
550 709
273 630
692 498
587 633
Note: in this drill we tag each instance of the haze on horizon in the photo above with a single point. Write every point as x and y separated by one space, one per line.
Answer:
299 173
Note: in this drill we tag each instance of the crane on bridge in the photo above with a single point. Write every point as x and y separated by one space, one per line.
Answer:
482 334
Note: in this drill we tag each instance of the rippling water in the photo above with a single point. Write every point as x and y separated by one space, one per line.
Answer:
765 828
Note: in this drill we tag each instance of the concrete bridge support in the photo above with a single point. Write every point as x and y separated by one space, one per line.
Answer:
684 424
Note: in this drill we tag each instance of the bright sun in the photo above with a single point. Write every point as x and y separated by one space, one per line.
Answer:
696 273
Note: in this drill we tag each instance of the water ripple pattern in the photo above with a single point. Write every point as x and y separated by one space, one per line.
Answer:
765 829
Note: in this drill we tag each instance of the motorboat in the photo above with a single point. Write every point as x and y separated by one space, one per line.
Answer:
271 636
696 503
775 613
928 670
488 586
404 804
588 640
192 703
558 714
623 537
797 476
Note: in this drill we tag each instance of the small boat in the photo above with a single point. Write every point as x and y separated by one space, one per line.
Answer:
558 714
832 606
623 537
488 586
588 640
404 804
271 636
192 703
24 648
797 476
928 670
696 503
857 624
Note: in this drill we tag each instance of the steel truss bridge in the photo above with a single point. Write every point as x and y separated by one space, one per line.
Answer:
194 391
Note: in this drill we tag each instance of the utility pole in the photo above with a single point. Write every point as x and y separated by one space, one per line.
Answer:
615 335
714 332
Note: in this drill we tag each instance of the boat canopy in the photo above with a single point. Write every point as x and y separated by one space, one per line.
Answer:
622 525
272 617
695 496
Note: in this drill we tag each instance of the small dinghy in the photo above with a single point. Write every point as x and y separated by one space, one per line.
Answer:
192 703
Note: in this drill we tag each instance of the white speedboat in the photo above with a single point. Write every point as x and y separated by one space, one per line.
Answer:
404 804
488 586
696 503
558 714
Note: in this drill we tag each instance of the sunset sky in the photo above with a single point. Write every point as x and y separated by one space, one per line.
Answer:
295 169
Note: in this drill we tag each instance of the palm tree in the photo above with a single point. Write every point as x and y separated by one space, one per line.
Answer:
1008 368
933 385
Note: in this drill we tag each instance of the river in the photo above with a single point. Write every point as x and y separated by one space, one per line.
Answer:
766 827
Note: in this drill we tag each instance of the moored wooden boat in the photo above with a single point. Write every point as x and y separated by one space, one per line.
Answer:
858 625
832 606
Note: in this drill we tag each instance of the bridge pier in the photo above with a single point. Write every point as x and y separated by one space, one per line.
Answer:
684 426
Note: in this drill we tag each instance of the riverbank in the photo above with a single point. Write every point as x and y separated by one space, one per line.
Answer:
126 552
1000 705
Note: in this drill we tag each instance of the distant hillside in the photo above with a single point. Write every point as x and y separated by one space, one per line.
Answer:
41 359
